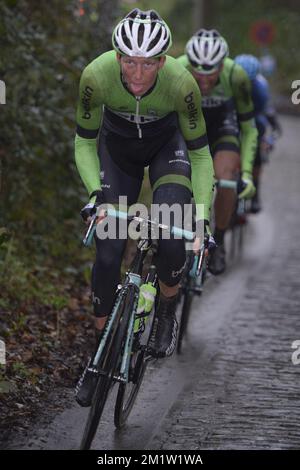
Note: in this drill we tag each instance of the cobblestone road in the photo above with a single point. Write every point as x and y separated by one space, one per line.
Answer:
235 386
248 396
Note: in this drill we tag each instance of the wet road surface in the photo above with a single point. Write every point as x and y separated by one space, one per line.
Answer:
235 385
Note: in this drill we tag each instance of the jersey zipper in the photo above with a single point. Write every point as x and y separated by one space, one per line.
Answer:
137 116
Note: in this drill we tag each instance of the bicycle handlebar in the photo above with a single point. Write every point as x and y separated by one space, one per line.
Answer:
228 184
237 185
188 235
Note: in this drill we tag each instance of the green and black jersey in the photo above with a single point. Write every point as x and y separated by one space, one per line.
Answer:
230 98
105 99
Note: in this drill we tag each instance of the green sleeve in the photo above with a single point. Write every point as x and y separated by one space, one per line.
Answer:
183 60
88 117
193 128
241 86
87 163
202 180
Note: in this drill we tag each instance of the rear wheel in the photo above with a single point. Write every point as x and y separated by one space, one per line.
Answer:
127 392
241 239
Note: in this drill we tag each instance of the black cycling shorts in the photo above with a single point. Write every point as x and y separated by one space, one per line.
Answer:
222 128
122 162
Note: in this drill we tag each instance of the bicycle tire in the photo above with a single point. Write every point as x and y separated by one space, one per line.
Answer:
109 365
122 410
124 405
241 239
237 241
185 313
186 296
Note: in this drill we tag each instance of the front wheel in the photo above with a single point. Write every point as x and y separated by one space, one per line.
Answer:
185 299
128 392
185 312
109 365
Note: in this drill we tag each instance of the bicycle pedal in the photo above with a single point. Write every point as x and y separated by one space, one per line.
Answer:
93 370
119 378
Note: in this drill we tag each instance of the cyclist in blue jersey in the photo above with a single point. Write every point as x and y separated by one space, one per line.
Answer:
265 118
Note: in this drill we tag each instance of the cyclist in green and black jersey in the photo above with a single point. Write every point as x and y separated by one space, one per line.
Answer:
137 108
228 111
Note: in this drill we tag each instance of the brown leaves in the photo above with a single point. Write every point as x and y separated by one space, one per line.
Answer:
45 348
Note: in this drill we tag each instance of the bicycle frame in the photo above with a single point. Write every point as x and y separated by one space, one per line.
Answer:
119 347
110 322
124 369
133 278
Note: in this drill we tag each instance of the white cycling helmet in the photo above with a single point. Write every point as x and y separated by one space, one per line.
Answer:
206 50
142 34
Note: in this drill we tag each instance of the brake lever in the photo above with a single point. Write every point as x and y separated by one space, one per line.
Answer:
202 255
90 231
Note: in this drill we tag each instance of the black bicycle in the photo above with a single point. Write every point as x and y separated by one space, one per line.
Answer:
238 223
124 350
239 217
191 284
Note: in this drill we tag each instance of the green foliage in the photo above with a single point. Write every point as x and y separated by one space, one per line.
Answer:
177 13
20 370
234 20
5 385
44 47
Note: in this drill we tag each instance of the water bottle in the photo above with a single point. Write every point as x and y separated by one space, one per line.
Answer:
146 301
